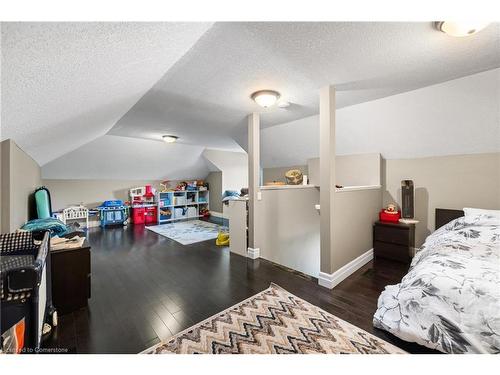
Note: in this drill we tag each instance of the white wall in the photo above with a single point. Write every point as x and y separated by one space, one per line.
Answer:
233 165
455 117
291 143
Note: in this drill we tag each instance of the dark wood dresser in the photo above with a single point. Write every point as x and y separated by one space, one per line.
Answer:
394 241
70 278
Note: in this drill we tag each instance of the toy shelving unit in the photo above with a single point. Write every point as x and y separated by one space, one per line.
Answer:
181 205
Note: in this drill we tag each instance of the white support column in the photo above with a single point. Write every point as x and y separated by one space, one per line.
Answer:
327 181
253 182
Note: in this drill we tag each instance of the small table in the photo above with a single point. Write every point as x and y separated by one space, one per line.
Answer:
394 241
70 278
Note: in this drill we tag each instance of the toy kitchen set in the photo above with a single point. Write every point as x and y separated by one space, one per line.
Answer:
144 208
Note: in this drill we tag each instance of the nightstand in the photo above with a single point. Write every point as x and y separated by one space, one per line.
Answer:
70 278
394 241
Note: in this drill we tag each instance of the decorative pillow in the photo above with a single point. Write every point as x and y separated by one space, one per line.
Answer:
479 211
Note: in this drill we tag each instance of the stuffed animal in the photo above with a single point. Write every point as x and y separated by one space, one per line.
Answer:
164 186
391 209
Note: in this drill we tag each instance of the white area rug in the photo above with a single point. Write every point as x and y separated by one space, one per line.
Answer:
187 232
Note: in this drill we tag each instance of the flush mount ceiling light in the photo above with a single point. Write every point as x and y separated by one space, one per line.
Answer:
460 28
266 98
170 138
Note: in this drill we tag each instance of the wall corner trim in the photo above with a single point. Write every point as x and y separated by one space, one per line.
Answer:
330 280
253 253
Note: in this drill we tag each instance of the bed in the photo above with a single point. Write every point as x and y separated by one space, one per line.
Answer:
450 298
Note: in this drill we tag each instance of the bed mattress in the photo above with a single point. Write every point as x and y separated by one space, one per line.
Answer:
450 298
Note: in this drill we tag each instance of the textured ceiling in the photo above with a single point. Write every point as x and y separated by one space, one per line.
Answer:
68 84
65 84
204 97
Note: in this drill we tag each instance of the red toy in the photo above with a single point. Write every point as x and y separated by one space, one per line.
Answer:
393 218
389 214
151 214
138 215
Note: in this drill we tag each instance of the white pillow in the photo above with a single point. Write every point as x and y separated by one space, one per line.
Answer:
479 211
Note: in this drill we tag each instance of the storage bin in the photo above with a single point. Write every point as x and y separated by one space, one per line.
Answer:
164 202
192 212
165 214
179 213
179 200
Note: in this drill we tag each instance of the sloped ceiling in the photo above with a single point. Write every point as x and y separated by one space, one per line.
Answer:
206 95
65 84
461 116
114 157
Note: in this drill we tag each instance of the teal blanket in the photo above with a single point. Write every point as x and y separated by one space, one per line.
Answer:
54 226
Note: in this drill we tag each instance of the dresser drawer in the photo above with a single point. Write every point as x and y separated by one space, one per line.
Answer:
399 236
391 251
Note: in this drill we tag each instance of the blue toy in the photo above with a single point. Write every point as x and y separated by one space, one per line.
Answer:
113 214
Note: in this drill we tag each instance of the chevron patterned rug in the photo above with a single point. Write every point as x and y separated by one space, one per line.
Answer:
274 321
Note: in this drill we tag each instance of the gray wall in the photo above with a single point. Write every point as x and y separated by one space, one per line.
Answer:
350 170
288 228
355 213
4 187
91 193
20 177
214 180
278 173
456 181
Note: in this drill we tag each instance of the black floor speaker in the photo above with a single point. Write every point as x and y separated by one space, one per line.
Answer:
407 199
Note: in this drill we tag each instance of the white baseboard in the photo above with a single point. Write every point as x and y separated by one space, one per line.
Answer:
330 280
253 253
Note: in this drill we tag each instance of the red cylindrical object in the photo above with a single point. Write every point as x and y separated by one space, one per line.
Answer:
138 215
393 218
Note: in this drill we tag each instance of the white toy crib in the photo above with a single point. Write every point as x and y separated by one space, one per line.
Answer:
76 213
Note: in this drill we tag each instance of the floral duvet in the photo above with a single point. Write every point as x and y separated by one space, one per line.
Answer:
450 298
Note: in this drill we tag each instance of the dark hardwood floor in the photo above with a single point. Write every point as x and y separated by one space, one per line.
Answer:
146 287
